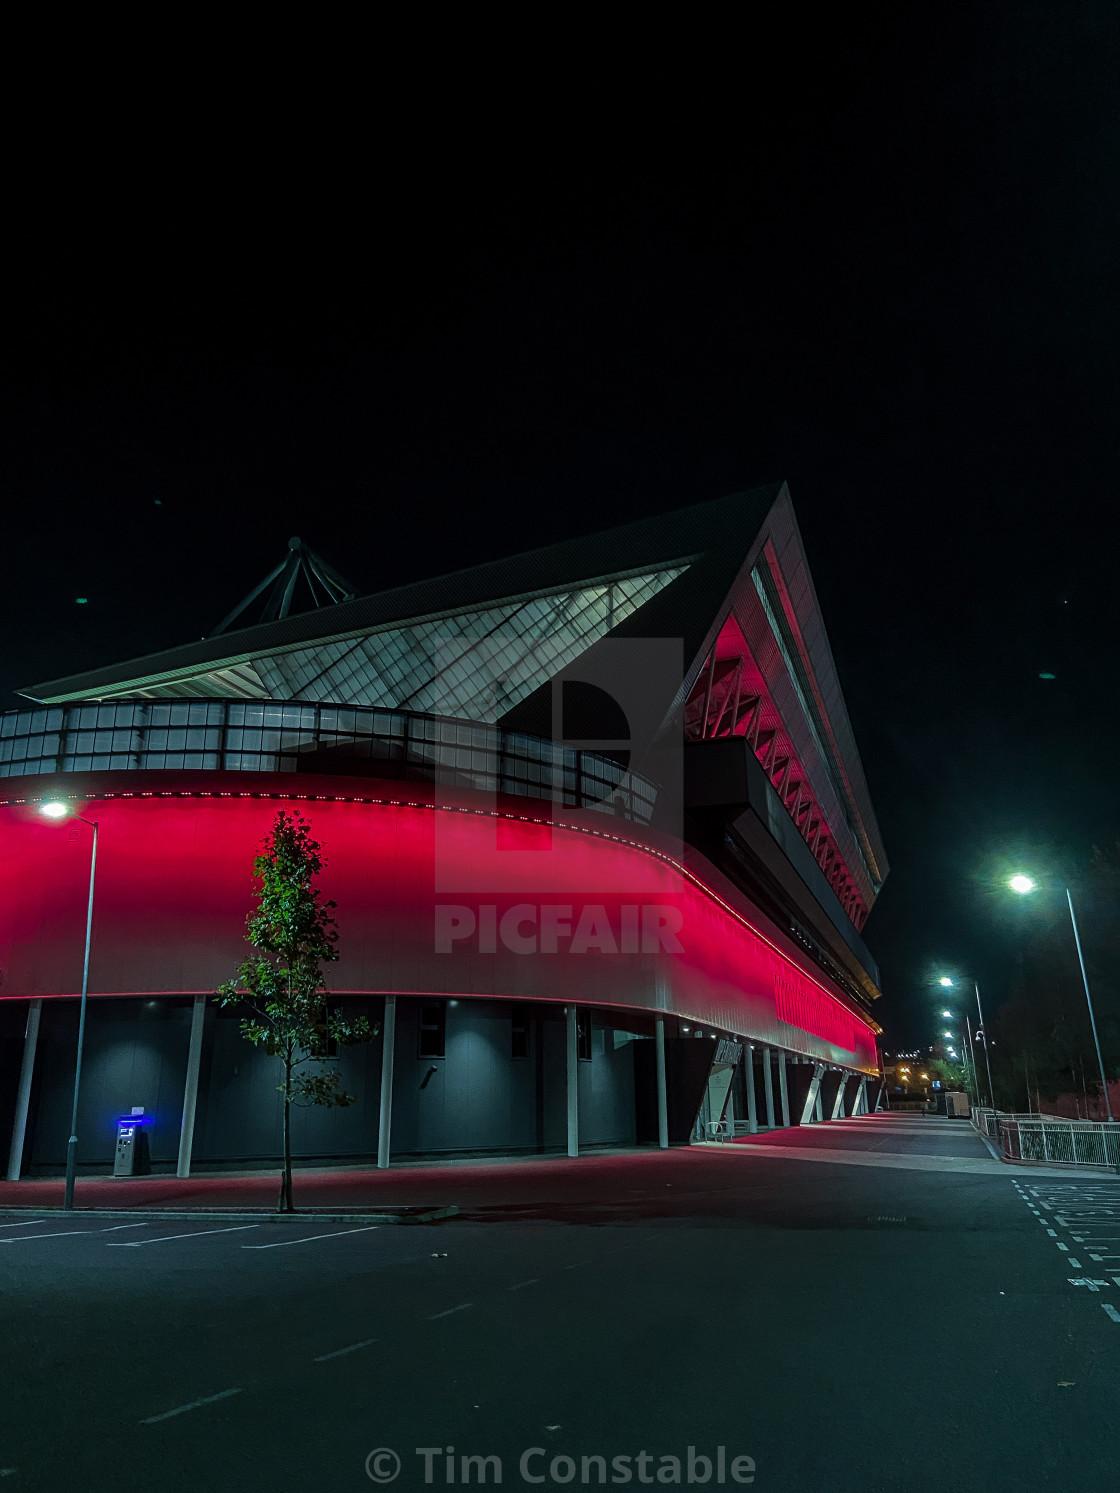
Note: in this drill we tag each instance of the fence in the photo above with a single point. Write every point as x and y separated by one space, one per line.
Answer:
274 736
1050 1140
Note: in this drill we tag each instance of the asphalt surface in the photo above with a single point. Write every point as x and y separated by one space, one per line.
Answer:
845 1325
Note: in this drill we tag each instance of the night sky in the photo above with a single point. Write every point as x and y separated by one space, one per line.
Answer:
880 263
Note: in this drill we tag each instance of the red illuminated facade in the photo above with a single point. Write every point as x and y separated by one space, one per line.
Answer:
589 933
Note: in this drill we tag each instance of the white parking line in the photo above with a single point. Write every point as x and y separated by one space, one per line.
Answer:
535 1281
24 1223
338 1352
283 1243
61 1234
194 1404
115 1227
196 1234
465 1306
1111 1310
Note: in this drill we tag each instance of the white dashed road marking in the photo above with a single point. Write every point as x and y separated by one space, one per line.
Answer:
310 1239
194 1234
466 1306
338 1352
194 1404
60 1234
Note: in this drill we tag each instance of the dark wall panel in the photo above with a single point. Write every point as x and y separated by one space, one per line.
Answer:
240 1114
135 1054
607 1112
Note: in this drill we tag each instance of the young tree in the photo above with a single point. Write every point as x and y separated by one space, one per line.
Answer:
293 933
952 1075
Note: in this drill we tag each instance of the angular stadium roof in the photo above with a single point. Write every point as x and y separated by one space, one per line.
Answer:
485 642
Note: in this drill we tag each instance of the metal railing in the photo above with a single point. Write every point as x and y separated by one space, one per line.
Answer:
283 736
1051 1140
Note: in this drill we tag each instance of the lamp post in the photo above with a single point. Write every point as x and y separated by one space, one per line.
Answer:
972 1060
947 982
1025 885
969 1073
58 810
984 1039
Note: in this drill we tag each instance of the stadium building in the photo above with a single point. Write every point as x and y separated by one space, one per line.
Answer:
593 816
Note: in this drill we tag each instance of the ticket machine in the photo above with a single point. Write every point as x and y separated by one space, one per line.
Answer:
132 1157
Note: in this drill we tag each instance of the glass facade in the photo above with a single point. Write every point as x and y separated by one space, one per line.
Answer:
476 665
253 736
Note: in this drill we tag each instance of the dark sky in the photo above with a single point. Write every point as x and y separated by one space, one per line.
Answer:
880 263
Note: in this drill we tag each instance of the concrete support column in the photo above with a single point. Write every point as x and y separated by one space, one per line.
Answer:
190 1088
23 1096
662 1094
388 1042
573 1081
859 1103
818 1114
811 1109
768 1087
783 1087
838 1102
752 1111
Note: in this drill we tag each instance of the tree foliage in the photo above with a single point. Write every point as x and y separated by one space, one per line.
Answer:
294 933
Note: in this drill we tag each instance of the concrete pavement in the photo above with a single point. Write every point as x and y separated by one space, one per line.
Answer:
832 1321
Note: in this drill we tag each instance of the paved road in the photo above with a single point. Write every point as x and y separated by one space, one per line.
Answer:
834 1322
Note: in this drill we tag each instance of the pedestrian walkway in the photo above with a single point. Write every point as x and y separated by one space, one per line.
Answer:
529 1183
929 1143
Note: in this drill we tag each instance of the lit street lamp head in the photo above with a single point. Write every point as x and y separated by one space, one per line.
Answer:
1021 884
54 810
945 980
949 1014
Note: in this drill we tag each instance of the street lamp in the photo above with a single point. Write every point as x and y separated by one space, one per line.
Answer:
58 810
983 1032
1025 884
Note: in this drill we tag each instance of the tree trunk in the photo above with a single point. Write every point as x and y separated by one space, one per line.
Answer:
285 1203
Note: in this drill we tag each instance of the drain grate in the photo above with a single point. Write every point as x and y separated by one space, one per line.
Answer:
886 1218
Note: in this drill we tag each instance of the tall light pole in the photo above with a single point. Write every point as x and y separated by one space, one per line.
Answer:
1026 884
984 1039
972 1058
947 983
58 810
969 1074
